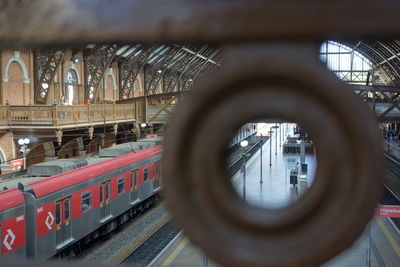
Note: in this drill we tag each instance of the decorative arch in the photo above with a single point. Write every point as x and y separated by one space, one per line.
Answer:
71 149
110 72
72 67
16 58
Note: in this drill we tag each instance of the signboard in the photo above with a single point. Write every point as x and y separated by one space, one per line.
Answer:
16 163
388 211
291 163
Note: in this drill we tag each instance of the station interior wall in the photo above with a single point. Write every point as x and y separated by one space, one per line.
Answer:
18 80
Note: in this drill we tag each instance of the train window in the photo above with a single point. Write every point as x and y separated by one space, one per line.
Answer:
86 201
145 174
121 183
136 177
101 193
66 209
108 191
58 213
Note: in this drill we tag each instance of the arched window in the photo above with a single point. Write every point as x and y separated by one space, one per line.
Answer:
349 65
72 77
71 87
16 58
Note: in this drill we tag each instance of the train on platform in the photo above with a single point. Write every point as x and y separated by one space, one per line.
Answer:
62 204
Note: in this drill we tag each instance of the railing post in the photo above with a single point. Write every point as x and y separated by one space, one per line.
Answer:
135 115
8 114
106 112
30 115
74 113
88 111
55 115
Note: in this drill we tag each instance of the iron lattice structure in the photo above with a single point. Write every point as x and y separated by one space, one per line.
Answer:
47 63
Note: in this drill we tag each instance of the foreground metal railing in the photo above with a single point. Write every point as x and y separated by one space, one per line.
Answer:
271 71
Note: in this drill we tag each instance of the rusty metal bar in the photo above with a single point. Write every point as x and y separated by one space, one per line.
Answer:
79 21
272 82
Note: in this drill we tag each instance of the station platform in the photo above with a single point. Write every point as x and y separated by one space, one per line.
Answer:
274 191
378 246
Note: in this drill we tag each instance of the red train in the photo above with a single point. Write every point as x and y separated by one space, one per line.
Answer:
51 210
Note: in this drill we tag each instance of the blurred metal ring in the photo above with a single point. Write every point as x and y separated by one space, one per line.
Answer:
273 82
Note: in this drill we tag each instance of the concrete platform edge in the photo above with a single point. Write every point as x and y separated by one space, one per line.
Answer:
163 255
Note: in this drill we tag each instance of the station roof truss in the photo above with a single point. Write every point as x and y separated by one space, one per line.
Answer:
379 86
383 54
177 64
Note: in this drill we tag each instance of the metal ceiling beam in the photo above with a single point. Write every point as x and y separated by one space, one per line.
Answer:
394 55
154 73
187 83
172 77
95 66
389 89
377 53
184 48
47 63
130 68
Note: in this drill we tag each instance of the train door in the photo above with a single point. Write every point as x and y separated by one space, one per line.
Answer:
67 219
146 189
63 222
134 180
105 193
157 176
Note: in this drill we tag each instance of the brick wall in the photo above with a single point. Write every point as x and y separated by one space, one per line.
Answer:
18 90
8 146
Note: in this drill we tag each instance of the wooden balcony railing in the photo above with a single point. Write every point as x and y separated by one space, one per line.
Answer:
57 115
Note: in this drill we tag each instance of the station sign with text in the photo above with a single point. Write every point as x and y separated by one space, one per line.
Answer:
388 211
16 163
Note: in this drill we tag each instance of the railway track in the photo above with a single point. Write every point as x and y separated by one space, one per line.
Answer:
392 174
149 250
391 194
116 248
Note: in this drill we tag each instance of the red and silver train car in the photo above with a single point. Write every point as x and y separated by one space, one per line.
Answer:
12 218
52 209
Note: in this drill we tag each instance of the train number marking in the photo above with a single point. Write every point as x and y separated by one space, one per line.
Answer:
49 220
8 243
20 218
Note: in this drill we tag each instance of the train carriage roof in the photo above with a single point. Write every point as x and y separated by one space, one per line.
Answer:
60 181
10 198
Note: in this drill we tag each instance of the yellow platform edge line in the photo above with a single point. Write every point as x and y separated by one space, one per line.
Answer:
389 236
175 253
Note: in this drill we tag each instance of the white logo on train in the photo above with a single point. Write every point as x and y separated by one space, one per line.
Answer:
49 220
8 243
